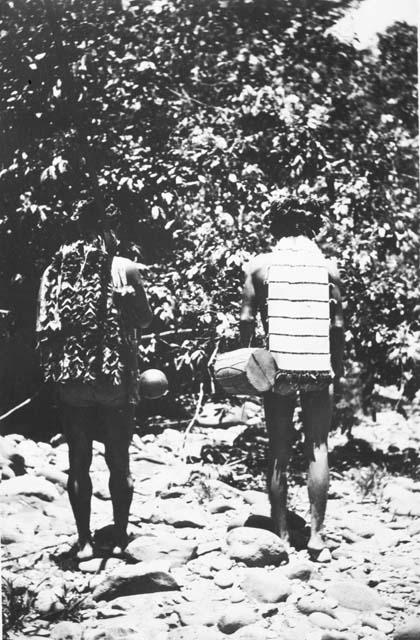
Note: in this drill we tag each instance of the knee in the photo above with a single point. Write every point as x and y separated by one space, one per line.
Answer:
316 451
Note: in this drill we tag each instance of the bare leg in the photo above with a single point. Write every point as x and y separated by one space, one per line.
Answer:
279 419
118 429
76 423
317 412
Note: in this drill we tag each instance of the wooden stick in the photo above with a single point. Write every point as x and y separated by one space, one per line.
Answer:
193 419
18 406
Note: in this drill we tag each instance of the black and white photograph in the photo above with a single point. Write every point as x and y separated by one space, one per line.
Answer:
209 320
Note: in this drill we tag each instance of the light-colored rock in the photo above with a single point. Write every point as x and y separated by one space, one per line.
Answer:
94 565
149 548
29 485
200 613
266 586
323 620
48 602
408 630
251 632
354 595
220 505
52 474
176 513
316 603
235 617
255 547
138 578
194 632
224 579
299 570
67 631
127 627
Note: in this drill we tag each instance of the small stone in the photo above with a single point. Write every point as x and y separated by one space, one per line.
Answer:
266 586
224 579
221 563
299 570
251 632
316 604
200 612
220 506
255 547
324 556
354 595
66 631
323 620
408 630
236 595
236 617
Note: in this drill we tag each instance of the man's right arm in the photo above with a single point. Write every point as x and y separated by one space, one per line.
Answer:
337 325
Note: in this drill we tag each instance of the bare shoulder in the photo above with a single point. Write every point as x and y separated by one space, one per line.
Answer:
258 265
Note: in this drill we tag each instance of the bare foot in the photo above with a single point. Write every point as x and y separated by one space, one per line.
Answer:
317 550
85 551
316 543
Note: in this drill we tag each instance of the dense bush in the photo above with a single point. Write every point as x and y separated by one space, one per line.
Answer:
184 116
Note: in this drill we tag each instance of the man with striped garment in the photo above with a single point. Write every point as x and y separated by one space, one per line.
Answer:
297 293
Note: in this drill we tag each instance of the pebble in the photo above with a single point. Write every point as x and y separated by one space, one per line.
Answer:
235 617
224 579
323 620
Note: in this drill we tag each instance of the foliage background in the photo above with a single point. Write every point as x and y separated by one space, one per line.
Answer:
182 117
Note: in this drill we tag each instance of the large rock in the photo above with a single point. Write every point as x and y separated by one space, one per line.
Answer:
150 548
29 485
354 595
138 578
255 547
266 586
408 630
235 617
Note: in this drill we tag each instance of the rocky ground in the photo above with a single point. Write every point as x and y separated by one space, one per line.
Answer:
202 562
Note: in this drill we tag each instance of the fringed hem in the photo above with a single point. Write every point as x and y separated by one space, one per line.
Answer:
303 377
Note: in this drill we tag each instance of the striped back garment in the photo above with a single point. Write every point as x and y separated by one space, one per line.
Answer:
299 311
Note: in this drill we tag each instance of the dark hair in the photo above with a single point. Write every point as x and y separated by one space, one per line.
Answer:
294 216
87 221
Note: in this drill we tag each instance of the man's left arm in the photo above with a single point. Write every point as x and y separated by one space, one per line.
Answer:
248 310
